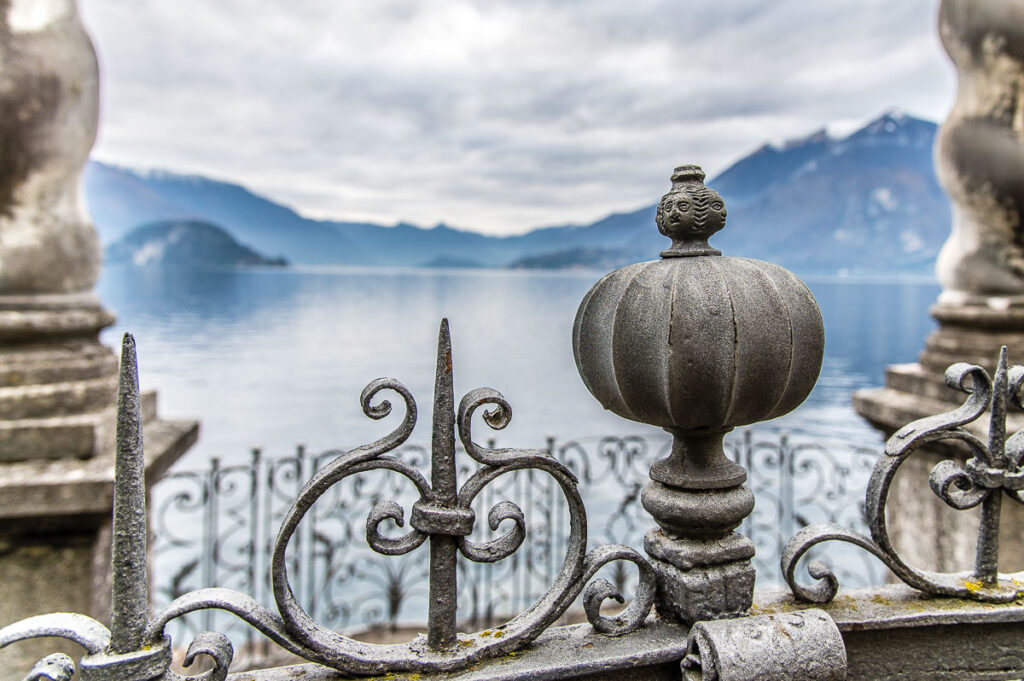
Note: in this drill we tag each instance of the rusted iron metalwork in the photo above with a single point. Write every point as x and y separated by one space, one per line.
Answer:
216 527
137 647
994 468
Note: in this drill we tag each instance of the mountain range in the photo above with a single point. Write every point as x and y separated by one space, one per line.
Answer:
865 203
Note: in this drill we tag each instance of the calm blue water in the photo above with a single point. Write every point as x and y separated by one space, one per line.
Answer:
274 358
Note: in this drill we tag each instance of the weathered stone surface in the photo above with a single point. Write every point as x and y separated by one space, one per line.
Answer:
929 534
45 490
55 363
889 632
57 383
55 536
78 317
980 148
703 593
48 115
71 397
980 162
79 436
50 574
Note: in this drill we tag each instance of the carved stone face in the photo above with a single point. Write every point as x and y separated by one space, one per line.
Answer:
690 210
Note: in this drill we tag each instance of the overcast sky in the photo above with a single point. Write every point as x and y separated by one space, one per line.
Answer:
495 116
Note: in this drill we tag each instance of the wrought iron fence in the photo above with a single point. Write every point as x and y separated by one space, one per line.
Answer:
216 527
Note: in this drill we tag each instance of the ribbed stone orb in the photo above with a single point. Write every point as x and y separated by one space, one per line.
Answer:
698 341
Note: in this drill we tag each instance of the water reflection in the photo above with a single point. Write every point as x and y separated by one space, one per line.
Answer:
273 358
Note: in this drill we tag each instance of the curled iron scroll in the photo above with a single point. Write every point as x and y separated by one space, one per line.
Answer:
958 486
294 629
443 515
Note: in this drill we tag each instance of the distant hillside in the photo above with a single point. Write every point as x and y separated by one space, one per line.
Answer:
188 243
866 203
594 258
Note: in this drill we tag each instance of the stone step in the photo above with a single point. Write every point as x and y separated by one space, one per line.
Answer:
53 399
148 405
56 364
917 380
43 491
33 324
889 410
76 437
947 346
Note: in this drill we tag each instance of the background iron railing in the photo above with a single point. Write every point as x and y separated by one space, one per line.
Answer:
216 527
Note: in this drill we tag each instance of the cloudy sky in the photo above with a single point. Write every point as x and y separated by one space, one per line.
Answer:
496 116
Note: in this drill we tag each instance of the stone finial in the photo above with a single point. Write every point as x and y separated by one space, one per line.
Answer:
49 105
690 213
698 343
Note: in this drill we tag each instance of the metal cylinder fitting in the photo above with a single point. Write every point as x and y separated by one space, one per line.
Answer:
796 646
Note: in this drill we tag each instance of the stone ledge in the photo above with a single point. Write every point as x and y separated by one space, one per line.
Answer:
890 632
33 365
893 606
71 436
52 490
79 436
559 653
990 313
889 410
22 325
66 398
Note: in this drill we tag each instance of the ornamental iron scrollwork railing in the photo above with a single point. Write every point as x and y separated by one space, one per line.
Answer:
215 527
992 469
137 646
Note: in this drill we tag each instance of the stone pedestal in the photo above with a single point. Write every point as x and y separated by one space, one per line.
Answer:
930 534
58 389
55 536
698 499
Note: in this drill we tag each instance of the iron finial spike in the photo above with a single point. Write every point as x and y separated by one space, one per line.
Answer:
997 423
441 630
129 598
986 560
443 436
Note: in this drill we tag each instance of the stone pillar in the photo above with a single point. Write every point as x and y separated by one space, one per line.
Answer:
58 384
979 156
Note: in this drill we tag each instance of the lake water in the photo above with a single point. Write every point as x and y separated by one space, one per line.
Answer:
274 358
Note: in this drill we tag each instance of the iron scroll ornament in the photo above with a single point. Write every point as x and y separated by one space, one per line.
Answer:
993 468
443 515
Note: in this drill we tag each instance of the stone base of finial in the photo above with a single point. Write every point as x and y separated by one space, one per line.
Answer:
701 579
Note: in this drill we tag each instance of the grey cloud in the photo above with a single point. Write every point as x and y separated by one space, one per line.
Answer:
555 111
